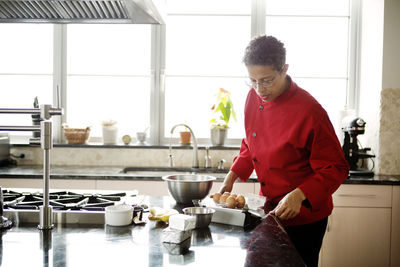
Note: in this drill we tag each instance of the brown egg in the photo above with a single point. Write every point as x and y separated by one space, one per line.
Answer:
241 201
230 202
216 197
223 198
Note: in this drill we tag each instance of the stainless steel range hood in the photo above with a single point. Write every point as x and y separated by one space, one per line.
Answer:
80 11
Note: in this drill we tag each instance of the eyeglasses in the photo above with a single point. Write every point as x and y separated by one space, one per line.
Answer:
263 83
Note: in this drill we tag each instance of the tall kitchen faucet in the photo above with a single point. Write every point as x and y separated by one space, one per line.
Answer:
195 160
46 142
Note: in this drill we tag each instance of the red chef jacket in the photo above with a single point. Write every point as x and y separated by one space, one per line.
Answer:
290 142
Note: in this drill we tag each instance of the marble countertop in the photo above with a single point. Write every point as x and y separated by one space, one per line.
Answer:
140 245
148 173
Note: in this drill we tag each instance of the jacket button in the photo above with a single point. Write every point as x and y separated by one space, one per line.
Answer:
255 160
261 107
262 183
254 134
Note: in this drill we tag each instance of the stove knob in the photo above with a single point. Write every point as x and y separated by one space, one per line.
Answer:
360 122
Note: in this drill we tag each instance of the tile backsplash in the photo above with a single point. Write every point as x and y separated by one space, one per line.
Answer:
122 157
389 133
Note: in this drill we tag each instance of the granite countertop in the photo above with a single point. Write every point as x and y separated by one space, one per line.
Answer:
140 245
148 173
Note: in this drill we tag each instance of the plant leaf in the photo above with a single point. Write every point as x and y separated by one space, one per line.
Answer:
228 112
223 111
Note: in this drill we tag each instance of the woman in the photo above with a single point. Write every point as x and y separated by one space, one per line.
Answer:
292 146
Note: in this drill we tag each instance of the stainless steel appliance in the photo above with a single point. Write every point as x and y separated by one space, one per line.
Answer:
69 207
81 11
4 149
60 200
353 153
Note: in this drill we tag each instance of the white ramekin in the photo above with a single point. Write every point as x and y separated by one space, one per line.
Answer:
119 215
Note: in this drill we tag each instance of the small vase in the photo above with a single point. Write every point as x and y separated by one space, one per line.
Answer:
110 134
218 136
185 138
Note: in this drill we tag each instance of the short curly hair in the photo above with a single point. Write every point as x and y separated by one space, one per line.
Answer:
266 51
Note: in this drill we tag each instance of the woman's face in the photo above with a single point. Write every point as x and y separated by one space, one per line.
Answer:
269 82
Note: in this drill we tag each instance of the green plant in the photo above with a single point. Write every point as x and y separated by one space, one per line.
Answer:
222 110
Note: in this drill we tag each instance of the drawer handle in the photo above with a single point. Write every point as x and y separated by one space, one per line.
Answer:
357 195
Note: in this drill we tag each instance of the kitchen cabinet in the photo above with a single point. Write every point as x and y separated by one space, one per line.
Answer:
54 183
359 228
238 187
150 188
395 241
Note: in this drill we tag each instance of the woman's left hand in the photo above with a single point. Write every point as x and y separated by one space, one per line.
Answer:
289 206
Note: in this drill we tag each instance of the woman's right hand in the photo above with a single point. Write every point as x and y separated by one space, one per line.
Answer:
225 188
229 180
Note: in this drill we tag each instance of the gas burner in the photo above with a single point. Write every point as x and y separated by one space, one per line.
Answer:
62 200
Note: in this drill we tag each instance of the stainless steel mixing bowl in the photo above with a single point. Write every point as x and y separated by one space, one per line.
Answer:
203 215
185 188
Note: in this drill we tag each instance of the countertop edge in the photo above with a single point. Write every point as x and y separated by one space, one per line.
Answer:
104 173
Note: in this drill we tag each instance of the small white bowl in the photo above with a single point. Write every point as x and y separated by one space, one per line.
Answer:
119 215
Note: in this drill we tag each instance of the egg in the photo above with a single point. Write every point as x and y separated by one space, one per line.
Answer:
223 198
216 197
241 201
230 202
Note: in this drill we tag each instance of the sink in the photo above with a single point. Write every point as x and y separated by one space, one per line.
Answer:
164 171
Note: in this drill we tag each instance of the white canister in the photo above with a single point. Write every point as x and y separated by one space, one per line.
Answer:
110 135
119 215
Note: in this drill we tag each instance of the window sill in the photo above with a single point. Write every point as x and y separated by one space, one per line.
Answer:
136 146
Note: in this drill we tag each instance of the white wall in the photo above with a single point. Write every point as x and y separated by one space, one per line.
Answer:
380 82
371 72
389 141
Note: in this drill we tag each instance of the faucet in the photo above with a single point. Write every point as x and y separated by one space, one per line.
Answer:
195 161
221 164
207 158
46 142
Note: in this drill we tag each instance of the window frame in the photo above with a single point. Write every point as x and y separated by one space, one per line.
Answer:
158 55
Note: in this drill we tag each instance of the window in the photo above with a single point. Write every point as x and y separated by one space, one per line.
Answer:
159 76
108 76
204 45
316 36
26 70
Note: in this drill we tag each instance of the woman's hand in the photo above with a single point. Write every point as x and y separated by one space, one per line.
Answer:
229 180
289 206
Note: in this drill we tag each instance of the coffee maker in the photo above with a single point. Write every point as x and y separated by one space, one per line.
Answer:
354 126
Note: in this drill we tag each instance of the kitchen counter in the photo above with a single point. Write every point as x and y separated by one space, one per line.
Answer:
140 245
147 174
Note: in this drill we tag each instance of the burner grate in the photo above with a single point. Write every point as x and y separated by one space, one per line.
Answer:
62 200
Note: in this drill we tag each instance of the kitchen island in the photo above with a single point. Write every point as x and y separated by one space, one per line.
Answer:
140 245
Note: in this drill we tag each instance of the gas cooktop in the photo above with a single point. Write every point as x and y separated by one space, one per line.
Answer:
62 200
75 206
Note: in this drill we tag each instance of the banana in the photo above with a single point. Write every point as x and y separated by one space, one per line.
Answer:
160 214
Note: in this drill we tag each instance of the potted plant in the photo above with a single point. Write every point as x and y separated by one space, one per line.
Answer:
222 113
185 137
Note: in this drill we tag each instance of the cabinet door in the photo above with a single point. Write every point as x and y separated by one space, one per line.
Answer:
357 237
238 187
395 259
151 188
